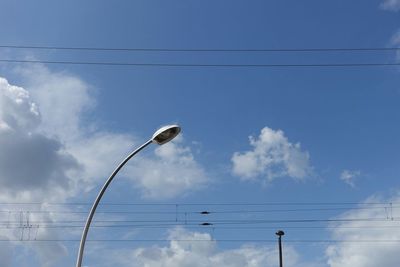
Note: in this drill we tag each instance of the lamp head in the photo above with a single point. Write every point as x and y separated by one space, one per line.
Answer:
165 134
280 233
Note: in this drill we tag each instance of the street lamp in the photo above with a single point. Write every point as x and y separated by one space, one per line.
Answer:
280 233
160 137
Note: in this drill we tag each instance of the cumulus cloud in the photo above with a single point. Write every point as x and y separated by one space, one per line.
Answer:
371 254
272 156
63 99
63 95
30 162
195 252
172 172
349 177
391 5
50 152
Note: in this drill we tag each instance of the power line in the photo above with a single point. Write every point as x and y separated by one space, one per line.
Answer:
298 210
210 212
220 222
198 226
182 65
212 240
143 49
204 203
100 212
87 204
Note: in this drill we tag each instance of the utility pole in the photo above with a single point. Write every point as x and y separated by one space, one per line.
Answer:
280 233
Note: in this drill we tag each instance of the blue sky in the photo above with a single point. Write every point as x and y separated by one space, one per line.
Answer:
262 148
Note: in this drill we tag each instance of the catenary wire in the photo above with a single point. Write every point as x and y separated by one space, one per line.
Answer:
221 222
212 240
144 49
198 226
204 212
203 203
184 65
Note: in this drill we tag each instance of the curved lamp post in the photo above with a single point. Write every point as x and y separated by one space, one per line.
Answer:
160 137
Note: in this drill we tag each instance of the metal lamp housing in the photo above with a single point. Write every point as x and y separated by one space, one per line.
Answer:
166 134
280 233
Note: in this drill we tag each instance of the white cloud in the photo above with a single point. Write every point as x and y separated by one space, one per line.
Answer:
31 164
49 152
194 253
349 177
100 154
273 156
63 99
371 254
62 95
172 172
23 226
391 5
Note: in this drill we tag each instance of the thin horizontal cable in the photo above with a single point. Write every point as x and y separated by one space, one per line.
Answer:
144 49
212 240
299 221
204 212
202 204
85 212
197 226
219 222
86 204
255 221
300 210
126 64
100 222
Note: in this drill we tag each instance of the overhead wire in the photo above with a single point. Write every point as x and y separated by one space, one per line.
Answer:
148 49
204 212
200 226
204 203
185 65
221 222
215 224
212 240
